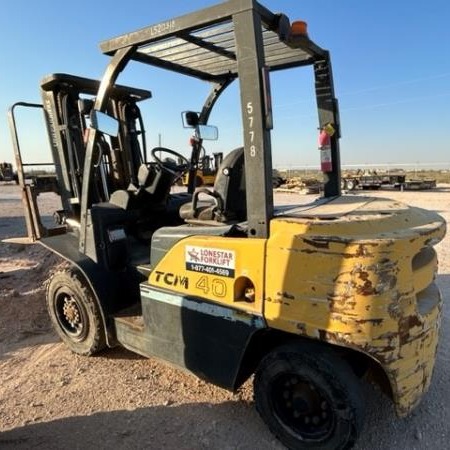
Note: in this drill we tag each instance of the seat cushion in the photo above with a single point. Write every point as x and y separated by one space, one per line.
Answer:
205 210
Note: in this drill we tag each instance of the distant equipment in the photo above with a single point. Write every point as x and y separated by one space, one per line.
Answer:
7 173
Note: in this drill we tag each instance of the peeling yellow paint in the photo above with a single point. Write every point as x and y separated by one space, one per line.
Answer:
354 281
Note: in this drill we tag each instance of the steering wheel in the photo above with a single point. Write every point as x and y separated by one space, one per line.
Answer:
174 168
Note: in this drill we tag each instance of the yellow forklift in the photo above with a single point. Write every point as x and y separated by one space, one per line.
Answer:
205 166
207 170
312 299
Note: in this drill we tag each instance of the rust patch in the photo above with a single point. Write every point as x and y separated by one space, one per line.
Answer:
386 282
405 326
383 273
286 295
384 354
372 321
366 288
394 310
363 250
317 244
363 275
341 304
414 321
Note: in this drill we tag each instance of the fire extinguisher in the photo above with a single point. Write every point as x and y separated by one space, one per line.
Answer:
325 134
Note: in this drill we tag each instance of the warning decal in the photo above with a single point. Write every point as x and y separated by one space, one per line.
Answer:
213 261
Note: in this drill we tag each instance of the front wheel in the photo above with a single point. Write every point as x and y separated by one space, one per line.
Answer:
309 397
74 313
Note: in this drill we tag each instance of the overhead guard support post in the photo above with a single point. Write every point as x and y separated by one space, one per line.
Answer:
116 65
257 145
328 114
216 90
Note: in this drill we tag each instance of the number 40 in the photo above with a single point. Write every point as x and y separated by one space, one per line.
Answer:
217 286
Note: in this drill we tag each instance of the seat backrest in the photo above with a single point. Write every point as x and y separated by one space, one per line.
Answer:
230 185
228 201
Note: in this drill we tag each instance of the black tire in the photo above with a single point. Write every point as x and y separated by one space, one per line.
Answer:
309 397
350 184
74 313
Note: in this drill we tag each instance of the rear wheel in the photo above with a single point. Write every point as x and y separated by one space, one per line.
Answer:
309 397
74 313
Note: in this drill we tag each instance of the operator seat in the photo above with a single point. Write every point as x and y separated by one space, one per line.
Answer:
228 201
153 186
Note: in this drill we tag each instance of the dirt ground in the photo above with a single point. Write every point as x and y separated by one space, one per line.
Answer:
51 398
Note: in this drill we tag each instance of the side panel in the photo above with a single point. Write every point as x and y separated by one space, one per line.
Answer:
207 339
227 271
202 304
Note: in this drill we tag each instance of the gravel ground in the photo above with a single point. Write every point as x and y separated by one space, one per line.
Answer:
51 398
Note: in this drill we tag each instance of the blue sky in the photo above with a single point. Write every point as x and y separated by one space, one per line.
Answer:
391 63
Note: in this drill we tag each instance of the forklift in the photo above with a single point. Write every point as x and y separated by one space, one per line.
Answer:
207 170
7 172
311 300
207 165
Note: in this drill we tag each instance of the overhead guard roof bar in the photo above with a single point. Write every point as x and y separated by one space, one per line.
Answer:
201 44
90 87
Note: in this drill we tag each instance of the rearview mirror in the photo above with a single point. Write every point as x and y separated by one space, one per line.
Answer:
207 132
104 123
190 119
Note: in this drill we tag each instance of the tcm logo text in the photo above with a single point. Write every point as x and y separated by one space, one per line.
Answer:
171 279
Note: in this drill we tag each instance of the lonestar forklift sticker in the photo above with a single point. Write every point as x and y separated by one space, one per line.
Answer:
214 261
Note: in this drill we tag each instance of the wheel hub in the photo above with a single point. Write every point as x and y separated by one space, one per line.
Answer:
303 407
71 312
